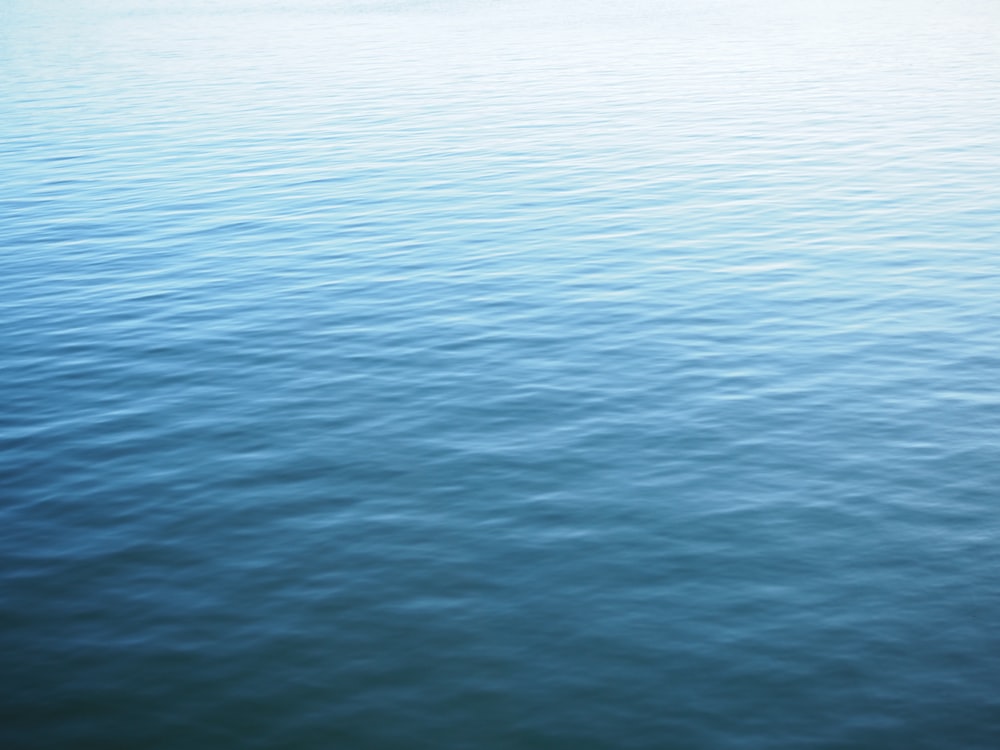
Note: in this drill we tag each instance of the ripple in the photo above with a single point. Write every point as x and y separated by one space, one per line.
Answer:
449 374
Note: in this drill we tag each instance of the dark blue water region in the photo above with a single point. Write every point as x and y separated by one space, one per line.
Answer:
492 375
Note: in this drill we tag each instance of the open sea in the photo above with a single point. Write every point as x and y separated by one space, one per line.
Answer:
500 375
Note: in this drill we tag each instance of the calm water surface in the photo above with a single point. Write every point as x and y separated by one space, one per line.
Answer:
500 375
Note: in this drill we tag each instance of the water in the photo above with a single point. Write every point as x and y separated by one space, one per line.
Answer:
500 375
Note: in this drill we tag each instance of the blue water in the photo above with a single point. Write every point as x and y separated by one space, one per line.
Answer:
500 375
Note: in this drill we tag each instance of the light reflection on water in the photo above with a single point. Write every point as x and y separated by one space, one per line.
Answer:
411 375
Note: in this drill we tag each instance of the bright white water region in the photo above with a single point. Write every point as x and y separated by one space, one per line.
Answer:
500 375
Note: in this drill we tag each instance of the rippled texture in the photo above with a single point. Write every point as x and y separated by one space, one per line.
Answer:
451 375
